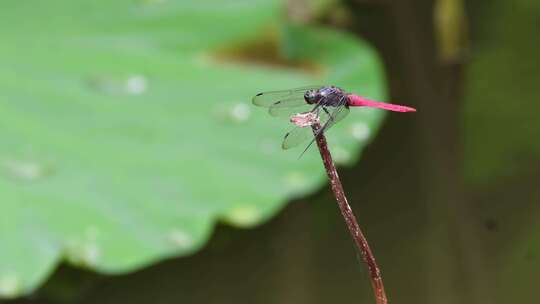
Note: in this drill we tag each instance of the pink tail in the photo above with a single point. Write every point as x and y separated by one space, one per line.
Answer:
359 101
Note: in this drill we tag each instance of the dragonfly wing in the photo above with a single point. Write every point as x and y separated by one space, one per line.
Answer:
267 99
295 137
327 118
330 117
337 115
288 111
326 123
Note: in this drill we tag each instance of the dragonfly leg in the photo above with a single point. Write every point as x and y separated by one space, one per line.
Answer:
330 117
321 129
316 108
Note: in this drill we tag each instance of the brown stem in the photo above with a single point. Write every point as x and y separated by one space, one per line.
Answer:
357 235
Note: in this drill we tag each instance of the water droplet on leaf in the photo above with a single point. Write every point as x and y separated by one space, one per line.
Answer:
25 170
83 253
10 285
180 239
236 113
360 131
296 180
134 84
244 216
340 154
240 112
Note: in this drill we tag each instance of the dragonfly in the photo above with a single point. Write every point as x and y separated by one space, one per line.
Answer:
329 104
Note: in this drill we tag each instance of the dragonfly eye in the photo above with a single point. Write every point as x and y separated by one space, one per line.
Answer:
310 97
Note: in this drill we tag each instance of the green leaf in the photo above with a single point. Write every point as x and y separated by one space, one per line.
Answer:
127 130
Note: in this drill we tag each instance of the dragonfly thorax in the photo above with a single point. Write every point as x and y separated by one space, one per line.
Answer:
328 96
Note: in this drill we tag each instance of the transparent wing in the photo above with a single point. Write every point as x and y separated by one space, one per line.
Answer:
332 116
328 118
296 136
292 96
288 111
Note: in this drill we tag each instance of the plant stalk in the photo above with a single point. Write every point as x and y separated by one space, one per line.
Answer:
347 213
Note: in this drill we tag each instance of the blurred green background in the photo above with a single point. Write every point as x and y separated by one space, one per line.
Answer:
133 167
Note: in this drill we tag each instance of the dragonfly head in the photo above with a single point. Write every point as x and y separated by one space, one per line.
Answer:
311 96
